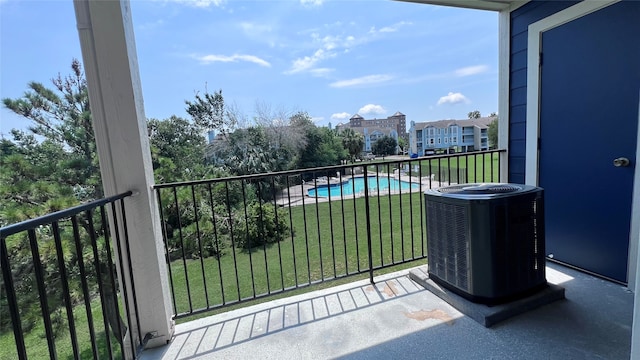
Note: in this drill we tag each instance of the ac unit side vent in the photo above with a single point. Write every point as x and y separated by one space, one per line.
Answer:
451 257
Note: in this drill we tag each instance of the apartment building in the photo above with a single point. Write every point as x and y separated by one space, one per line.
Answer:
449 136
394 126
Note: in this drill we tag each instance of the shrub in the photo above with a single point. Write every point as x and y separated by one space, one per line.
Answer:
262 225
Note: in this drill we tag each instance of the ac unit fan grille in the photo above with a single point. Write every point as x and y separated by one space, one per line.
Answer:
477 189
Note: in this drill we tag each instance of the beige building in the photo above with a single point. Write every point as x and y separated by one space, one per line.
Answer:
394 126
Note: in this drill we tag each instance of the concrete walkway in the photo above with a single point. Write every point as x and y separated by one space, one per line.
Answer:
397 319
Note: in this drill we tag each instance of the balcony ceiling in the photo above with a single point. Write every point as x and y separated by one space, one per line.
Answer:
494 5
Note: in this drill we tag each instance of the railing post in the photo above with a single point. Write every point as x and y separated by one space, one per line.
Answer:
368 221
12 301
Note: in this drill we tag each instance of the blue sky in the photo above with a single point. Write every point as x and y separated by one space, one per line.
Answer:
332 59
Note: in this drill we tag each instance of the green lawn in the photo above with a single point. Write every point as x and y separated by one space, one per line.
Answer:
463 168
36 343
332 234
328 240
468 168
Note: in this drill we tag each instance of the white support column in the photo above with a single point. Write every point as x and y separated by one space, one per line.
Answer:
504 27
115 94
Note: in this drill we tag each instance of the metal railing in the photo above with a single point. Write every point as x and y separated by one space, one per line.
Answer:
231 240
69 259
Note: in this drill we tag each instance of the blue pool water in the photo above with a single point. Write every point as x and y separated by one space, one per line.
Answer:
356 185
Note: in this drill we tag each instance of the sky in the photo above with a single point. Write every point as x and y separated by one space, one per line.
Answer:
332 59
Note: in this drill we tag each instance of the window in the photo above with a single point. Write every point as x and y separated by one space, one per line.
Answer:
446 130
431 141
446 140
439 131
455 139
439 141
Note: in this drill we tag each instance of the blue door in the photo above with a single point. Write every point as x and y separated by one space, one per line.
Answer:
590 86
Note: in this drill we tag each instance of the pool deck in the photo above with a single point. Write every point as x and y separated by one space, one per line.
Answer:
297 195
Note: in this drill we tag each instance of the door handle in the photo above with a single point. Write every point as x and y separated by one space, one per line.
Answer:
621 162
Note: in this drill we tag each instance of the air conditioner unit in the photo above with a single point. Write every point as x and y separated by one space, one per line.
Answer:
485 242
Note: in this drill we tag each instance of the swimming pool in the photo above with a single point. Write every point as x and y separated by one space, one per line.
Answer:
356 185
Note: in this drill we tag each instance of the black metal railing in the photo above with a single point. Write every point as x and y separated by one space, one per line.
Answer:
230 240
59 282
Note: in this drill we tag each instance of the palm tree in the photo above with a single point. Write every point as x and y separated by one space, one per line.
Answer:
352 142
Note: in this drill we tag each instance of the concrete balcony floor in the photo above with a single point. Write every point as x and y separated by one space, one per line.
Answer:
398 319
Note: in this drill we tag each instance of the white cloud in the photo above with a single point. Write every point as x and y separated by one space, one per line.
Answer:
263 33
389 29
340 116
207 59
311 2
200 3
453 98
316 119
365 80
372 109
471 70
308 62
394 27
329 46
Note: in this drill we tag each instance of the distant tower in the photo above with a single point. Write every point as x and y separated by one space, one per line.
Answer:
401 123
329 125
356 121
211 135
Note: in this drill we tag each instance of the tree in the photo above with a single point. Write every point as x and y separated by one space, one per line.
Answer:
384 146
402 144
61 117
209 112
323 148
492 133
475 114
176 141
285 135
50 167
244 152
352 142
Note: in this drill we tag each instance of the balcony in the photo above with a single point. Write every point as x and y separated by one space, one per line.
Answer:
396 319
116 278
333 230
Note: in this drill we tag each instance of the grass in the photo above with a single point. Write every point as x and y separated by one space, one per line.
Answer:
469 167
472 167
329 240
332 235
36 343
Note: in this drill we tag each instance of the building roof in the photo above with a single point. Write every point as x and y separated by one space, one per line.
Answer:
398 113
356 116
482 123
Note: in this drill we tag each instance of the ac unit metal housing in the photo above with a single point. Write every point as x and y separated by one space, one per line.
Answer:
486 242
